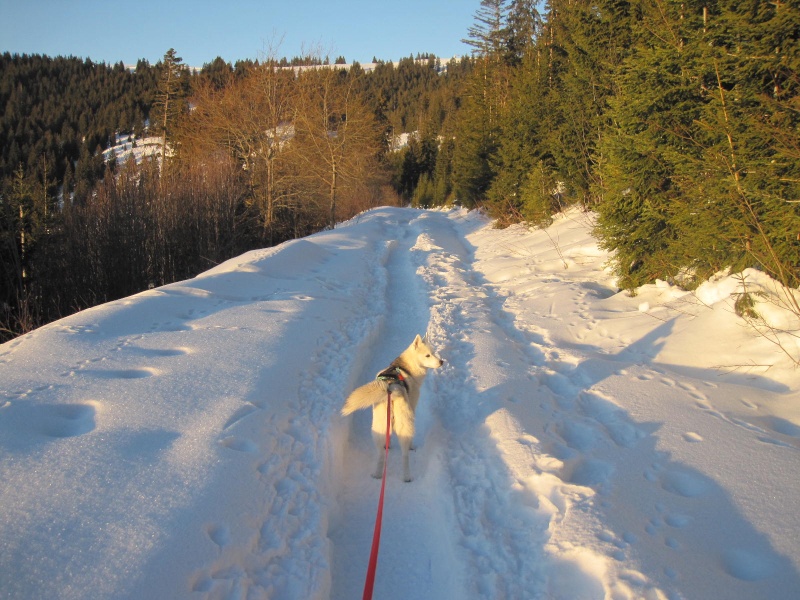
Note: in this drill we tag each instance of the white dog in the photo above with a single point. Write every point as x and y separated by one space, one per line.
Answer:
403 380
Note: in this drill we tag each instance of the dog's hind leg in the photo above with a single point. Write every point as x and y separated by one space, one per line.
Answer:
379 436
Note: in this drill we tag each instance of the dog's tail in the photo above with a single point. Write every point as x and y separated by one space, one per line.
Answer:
365 396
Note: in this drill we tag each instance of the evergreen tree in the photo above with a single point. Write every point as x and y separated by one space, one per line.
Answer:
655 113
750 133
523 146
523 24
218 73
694 178
424 193
487 35
476 142
443 172
170 98
589 39
484 99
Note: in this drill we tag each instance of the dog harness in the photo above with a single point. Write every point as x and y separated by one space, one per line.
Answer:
393 375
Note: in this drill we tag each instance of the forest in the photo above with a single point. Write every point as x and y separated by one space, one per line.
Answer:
251 154
677 123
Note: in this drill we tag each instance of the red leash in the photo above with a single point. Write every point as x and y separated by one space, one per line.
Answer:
376 535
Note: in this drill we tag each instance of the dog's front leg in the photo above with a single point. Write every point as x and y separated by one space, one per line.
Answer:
405 444
404 428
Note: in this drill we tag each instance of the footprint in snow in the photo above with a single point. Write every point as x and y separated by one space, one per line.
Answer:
747 565
219 534
162 352
683 483
52 420
578 436
677 520
591 473
239 445
122 373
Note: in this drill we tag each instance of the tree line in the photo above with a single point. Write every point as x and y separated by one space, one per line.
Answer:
675 121
59 115
678 122
251 154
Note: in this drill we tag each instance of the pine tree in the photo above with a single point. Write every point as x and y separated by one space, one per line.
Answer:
487 35
485 97
694 179
655 109
476 141
170 97
443 172
749 132
523 25
524 128
218 73
588 41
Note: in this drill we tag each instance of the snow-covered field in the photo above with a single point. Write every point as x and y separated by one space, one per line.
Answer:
579 443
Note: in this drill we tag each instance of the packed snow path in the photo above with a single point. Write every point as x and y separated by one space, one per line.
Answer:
578 443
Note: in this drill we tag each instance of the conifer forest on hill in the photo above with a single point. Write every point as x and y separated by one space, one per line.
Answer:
678 123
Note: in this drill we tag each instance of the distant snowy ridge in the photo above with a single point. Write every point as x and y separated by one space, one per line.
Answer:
367 66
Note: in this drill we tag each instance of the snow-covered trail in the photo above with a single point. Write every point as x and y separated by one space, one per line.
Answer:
642 505
579 443
538 473
415 551
463 528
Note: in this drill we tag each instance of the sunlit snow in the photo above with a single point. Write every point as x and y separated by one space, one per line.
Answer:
580 442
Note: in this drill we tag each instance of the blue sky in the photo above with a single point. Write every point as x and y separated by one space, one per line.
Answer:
200 30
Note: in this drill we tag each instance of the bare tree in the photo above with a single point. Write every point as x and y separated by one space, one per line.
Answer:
249 118
336 137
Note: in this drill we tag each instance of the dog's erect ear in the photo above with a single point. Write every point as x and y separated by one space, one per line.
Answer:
417 341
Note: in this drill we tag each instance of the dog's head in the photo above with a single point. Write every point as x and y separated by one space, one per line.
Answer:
424 354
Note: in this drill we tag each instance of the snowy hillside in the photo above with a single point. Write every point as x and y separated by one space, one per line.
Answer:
127 145
579 443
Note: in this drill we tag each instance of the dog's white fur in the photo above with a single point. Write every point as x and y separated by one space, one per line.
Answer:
414 363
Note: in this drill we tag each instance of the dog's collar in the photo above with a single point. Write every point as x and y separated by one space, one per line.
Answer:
395 375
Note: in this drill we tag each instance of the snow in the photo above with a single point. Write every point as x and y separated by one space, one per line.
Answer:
127 145
580 442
